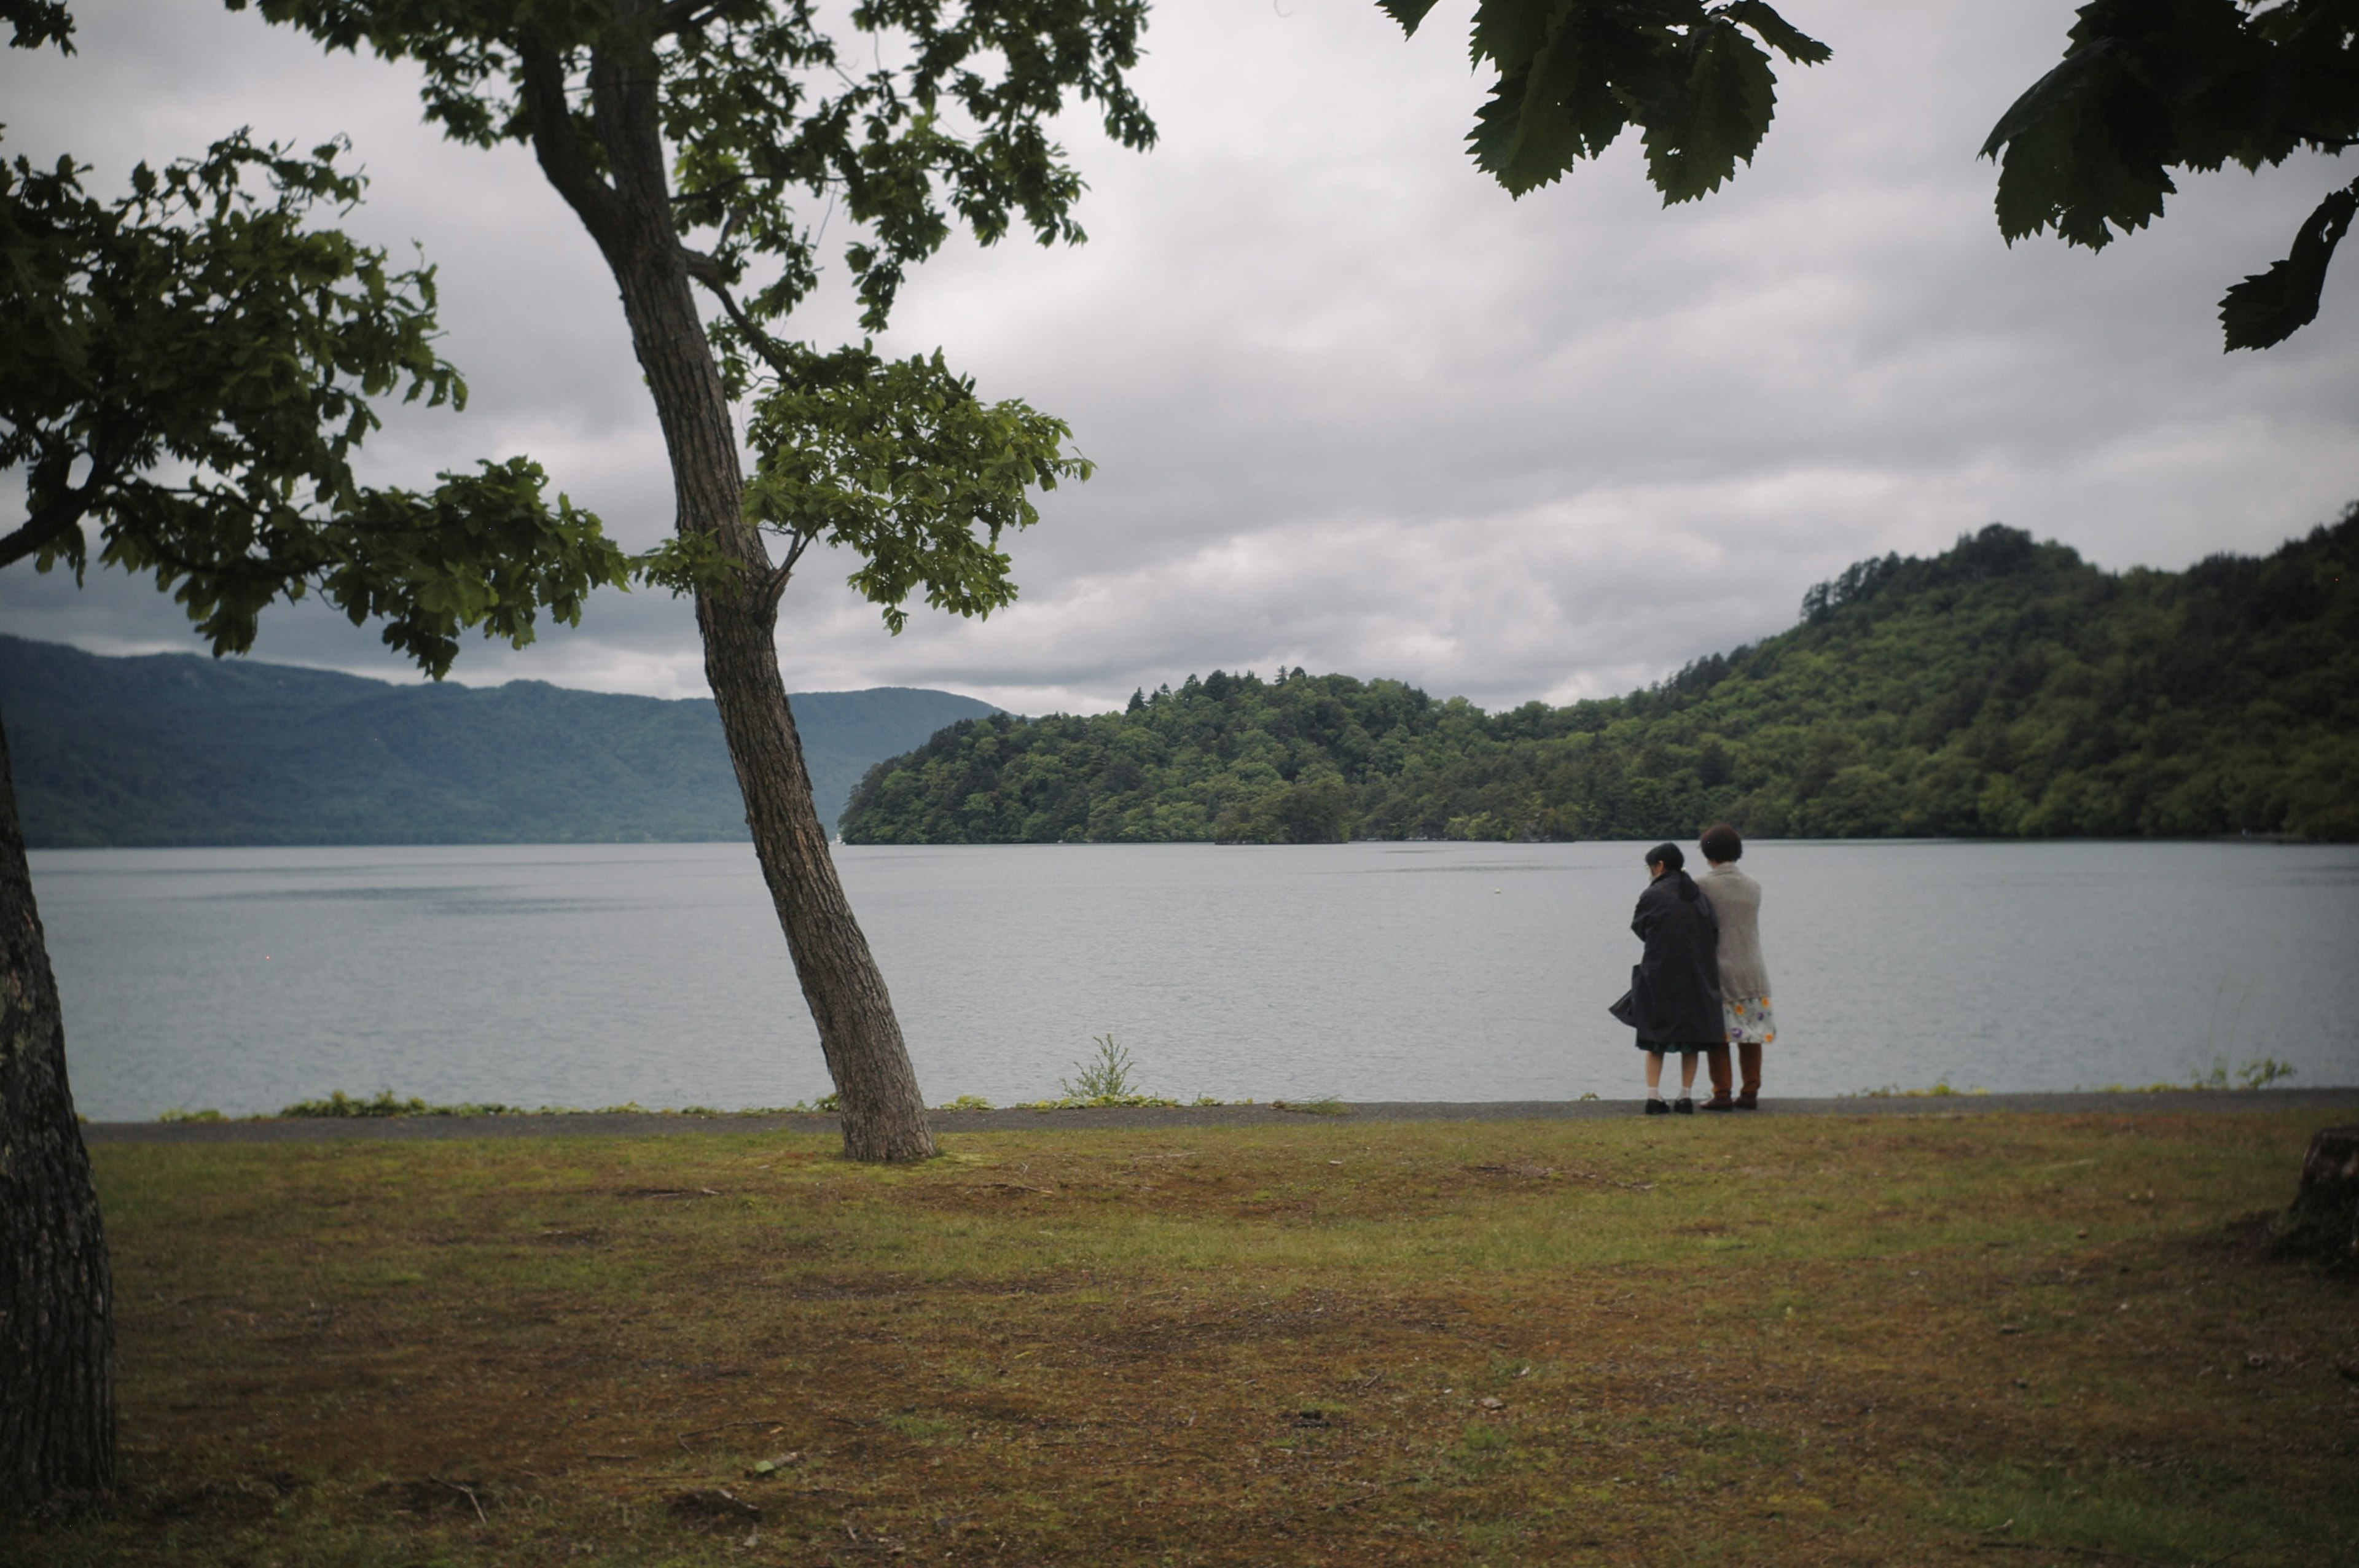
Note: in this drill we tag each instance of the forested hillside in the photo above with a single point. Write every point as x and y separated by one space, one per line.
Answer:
2005 689
174 749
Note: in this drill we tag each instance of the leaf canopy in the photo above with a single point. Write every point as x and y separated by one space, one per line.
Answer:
771 133
191 368
932 118
2149 86
903 464
2144 87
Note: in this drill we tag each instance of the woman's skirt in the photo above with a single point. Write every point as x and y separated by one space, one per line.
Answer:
1749 1019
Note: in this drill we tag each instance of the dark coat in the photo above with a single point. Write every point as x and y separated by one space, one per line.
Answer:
1674 997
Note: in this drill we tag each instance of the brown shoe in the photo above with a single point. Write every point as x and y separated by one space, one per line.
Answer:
1748 1100
1718 1102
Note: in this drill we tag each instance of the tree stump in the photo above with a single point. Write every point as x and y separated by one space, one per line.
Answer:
2323 1221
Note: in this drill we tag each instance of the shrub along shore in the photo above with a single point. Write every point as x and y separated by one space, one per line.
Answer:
1925 1338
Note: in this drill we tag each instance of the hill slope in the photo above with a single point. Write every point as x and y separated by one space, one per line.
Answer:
175 748
2005 689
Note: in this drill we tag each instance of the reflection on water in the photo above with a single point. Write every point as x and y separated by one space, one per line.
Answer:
244 978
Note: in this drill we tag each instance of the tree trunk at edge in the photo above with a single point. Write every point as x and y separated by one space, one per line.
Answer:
882 1111
2323 1221
57 1316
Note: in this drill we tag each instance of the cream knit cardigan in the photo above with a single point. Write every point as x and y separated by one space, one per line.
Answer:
1736 901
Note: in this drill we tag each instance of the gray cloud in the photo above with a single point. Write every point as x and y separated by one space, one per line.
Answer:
1354 408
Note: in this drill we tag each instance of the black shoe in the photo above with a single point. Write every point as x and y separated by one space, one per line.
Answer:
1684 1106
1656 1108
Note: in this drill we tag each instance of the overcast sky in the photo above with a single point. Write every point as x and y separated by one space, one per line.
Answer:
1354 408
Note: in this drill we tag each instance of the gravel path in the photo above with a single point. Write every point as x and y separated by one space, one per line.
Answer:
2320 1102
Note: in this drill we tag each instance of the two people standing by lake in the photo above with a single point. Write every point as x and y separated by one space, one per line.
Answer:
1702 986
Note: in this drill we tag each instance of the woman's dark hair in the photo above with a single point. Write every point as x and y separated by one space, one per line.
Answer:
1666 856
1722 843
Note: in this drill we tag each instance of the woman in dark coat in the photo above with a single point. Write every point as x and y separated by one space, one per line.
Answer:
1674 997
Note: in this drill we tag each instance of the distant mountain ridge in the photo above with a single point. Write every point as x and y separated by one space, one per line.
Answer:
2005 689
175 748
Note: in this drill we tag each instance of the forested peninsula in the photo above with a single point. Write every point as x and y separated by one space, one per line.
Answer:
2005 689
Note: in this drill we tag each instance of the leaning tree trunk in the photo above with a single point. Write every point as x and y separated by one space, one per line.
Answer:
57 1316
883 1117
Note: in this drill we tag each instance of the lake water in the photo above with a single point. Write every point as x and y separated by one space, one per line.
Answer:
588 976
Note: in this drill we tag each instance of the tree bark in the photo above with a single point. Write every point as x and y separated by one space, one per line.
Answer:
57 1301
2323 1220
627 211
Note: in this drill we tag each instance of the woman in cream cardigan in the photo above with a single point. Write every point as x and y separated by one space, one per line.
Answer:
1744 975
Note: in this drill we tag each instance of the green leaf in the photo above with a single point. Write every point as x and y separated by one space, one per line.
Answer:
1408 13
2084 152
2268 308
1696 138
1522 144
1779 33
689 563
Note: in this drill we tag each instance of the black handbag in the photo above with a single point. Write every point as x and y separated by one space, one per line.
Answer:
1626 1009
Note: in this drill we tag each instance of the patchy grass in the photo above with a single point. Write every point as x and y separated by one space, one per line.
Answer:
2001 1339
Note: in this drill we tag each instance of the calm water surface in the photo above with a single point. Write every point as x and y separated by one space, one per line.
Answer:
244 978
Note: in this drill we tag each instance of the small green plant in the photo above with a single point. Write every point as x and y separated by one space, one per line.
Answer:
1103 1077
2261 1073
177 1114
966 1102
1324 1105
385 1103
1893 1091
2258 1073
340 1104
1203 1099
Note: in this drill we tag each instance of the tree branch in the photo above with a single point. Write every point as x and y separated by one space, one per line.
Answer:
683 16
49 523
710 192
707 271
795 552
560 153
774 582
46 527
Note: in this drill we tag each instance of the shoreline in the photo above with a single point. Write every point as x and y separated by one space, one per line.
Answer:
607 1124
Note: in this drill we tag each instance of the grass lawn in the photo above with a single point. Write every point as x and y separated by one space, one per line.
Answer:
1994 1339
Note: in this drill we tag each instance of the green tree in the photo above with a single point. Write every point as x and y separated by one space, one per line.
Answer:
186 374
2144 87
2005 689
740 125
